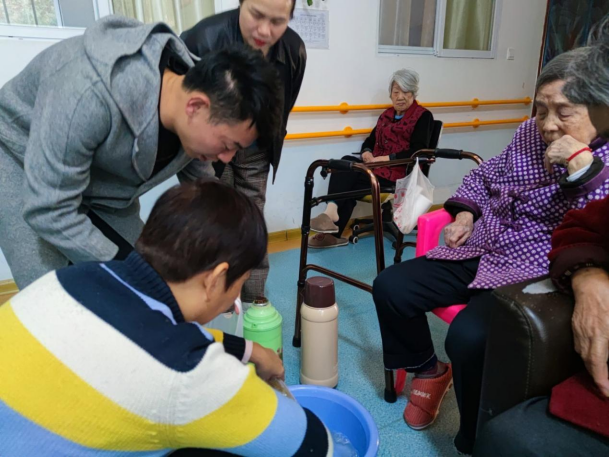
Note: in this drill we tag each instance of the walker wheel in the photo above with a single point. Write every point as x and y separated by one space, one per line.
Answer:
355 227
353 239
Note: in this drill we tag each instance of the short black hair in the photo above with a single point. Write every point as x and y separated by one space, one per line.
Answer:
294 3
241 86
195 226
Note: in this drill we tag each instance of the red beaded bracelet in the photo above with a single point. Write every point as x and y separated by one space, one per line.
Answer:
578 152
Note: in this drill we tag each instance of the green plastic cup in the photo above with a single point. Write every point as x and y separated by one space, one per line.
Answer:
263 325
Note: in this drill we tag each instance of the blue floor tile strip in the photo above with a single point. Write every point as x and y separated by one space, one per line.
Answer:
360 358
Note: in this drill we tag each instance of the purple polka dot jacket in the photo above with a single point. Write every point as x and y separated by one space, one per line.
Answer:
517 204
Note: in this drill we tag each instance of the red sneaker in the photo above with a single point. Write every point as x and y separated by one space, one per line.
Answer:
426 397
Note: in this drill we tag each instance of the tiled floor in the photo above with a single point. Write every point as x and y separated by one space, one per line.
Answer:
360 368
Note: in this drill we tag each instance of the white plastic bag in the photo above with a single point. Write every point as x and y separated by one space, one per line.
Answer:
414 196
231 323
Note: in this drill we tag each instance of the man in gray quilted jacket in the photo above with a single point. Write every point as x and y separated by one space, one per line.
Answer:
95 121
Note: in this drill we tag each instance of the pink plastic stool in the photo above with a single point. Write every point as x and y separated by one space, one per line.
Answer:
429 228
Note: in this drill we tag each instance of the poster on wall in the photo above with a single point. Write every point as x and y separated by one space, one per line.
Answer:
312 26
569 23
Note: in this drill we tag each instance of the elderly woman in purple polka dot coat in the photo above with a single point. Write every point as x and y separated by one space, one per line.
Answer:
505 212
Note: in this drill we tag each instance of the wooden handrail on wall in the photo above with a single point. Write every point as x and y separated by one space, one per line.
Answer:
348 131
474 103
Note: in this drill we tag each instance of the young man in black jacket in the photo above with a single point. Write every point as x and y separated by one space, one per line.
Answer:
263 25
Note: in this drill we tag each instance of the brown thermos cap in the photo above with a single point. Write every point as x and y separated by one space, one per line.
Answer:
319 292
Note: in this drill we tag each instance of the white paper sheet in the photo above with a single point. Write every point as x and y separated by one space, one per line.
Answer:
312 26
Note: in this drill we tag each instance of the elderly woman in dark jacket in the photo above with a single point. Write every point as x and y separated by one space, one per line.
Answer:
401 130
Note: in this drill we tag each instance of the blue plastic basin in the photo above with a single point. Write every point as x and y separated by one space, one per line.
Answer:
341 413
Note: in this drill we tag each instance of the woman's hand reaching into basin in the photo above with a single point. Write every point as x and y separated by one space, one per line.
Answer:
267 362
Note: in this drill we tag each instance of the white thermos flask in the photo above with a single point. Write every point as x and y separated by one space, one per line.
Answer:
319 333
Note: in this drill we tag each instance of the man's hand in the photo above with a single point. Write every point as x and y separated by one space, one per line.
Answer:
367 157
459 231
267 362
590 322
559 151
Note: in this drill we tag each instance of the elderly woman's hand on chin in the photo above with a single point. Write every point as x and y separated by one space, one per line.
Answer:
559 151
458 232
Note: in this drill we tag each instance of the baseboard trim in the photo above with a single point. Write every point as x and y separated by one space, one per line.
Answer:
291 234
8 287
284 235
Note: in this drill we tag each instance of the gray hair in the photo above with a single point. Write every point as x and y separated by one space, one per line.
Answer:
407 80
560 67
587 80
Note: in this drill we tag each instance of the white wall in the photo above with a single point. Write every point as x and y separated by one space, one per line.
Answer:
352 71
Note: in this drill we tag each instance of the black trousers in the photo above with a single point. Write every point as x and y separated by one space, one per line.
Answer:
346 181
404 293
124 246
529 430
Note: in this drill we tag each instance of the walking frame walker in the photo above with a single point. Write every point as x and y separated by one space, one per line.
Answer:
333 166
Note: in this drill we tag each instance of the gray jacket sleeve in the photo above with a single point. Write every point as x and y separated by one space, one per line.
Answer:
66 130
196 170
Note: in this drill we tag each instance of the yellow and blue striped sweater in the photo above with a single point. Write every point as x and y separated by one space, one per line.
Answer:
96 360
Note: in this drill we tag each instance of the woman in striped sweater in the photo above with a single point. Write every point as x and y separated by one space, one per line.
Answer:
112 359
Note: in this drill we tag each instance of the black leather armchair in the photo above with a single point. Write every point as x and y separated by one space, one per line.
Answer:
530 348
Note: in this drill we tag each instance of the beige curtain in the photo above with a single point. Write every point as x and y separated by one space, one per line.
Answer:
407 23
180 15
429 20
468 24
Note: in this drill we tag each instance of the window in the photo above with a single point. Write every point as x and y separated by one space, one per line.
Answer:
53 19
407 26
58 19
37 12
445 28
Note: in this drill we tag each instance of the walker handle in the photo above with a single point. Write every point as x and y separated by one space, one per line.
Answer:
449 153
343 165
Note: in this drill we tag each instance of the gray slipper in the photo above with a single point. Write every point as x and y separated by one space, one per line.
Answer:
323 241
323 224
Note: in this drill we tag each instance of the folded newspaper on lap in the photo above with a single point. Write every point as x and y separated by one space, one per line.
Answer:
414 196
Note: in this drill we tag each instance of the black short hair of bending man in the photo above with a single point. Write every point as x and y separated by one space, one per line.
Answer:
195 226
241 85
294 3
